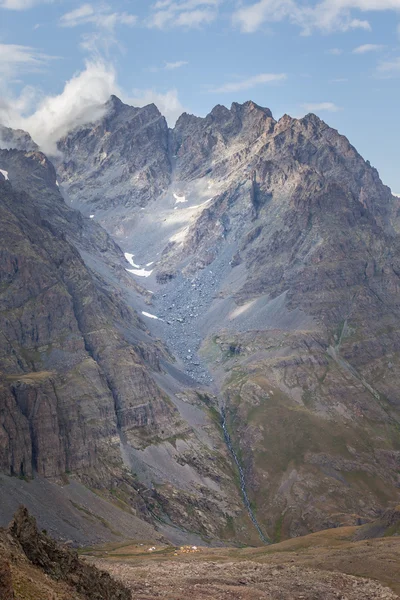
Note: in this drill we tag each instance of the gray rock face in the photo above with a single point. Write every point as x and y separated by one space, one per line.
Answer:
121 161
16 139
273 254
81 388
263 256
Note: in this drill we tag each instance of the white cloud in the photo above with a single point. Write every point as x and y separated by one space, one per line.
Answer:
252 17
103 20
325 15
20 4
81 101
247 84
321 106
183 13
101 17
77 16
15 59
389 68
48 118
358 24
170 66
368 48
168 104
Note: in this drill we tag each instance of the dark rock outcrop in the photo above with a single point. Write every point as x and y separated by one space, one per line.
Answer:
63 564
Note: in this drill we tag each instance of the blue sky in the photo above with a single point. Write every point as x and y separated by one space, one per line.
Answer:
338 58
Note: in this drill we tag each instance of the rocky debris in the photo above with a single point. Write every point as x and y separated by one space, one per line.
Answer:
244 580
182 304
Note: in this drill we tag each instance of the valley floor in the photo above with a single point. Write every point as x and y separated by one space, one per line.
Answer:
323 566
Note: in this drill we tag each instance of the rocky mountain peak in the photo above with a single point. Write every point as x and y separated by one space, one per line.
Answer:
249 106
16 139
115 103
119 111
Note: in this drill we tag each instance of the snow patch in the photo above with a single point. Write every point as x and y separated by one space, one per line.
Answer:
5 174
129 258
179 199
146 314
57 183
150 263
91 217
140 272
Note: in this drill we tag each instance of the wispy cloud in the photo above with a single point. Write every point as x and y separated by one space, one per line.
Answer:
16 59
103 20
368 48
335 51
250 82
184 13
83 99
171 66
389 68
101 17
51 117
167 66
324 15
321 106
20 4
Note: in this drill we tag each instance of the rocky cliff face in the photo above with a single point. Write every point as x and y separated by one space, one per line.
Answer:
263 255
118 164
274 257
81 378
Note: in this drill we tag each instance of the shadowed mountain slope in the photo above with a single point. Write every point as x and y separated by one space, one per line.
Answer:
263 256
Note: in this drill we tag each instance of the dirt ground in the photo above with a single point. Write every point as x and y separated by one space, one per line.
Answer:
322 566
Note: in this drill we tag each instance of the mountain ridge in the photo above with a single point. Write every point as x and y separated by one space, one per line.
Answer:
265 277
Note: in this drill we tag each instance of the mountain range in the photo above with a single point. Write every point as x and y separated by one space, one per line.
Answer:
199 329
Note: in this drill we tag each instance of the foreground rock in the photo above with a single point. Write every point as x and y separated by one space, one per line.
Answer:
33 567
